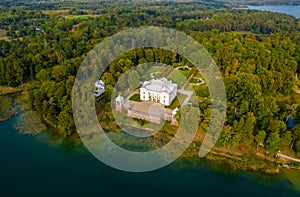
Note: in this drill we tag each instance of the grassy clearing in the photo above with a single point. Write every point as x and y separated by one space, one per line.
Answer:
195 80
201 91
135 97
161 72
198 75
184 71
55 12
80 17
177 77
4 90
6 108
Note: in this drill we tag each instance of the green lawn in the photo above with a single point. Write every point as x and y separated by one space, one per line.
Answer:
135 97
195 80
161 72
202 91
177 101
177 77
198 75
81 17
185 72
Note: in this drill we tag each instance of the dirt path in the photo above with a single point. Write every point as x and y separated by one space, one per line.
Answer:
287 157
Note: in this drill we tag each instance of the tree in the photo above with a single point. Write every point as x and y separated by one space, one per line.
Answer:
260 138
295 135
228 137
248 128
122 83
286 140
108 79
133 80
276 126
297 146
189 118
273 141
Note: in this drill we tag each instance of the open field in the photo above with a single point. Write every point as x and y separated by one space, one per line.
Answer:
81 17
156 72
5 90
55 12
177 77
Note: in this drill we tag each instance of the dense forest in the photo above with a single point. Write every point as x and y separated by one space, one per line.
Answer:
258 54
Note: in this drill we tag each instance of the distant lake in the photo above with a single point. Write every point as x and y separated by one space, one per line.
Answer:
285 9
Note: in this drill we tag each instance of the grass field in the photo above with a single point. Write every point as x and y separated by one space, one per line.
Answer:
55 12
135 97
185 72
201 91
81 17
195 80
177 77
162 71
198 75
5 90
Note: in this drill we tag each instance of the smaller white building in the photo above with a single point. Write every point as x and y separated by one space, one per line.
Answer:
174 112
159 90
100 89
119 103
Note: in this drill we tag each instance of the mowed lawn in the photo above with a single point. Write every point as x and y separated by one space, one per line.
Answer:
160 70
185 72
177 77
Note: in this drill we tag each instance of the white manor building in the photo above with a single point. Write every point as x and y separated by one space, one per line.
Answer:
158 90
100 89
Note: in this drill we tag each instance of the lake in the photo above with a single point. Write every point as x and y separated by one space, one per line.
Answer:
48 165
286 9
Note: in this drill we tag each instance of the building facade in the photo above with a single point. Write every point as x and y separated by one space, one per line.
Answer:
160 91
100 89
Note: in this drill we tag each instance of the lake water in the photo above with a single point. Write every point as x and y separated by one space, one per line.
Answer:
286 9
48 165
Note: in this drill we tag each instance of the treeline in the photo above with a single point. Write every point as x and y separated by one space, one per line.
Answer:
260 2
258 54
241 20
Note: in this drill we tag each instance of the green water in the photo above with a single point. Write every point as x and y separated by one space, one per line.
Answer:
48 165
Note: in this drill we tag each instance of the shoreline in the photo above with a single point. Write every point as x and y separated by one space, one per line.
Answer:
236 160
